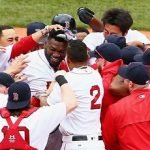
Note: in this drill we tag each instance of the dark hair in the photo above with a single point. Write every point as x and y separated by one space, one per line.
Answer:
77 51
118 17
82 29
17 112
4 27
53 35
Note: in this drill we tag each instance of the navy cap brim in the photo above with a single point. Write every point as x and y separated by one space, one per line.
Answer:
17 105
123 71
138 58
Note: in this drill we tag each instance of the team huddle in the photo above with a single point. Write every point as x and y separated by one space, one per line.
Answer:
65 88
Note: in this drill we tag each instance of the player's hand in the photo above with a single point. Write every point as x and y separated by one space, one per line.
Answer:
137 44
18 64
85 14
60 72
55 27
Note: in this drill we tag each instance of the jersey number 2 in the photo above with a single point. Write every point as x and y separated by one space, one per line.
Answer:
93 90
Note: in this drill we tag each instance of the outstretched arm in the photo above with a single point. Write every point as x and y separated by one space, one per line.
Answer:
87 16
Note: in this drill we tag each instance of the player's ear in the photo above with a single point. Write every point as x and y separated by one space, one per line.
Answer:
68 59
131 85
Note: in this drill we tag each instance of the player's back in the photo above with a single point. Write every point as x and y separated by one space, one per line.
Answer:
40 124
87 86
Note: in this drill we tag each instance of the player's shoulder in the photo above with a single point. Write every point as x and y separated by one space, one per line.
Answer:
36 54
135 35
134 32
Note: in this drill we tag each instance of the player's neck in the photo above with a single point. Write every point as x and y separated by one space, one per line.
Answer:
79 65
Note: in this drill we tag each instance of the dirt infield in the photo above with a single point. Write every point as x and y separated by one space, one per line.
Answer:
22 32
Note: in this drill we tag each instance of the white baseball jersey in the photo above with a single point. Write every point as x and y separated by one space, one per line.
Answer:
40 123
96 38
3 100
5 58
88 88
39 72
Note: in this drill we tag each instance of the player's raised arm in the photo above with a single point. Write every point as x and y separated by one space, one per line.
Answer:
43 32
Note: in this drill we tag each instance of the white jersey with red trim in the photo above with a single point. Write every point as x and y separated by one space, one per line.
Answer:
39 72
88 88
5 58
96 38
40 124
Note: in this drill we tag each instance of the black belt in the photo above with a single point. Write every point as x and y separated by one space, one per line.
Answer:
84 138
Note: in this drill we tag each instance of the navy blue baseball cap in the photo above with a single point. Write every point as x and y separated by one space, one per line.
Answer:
144 58
116 39
6 79
19 95
34 27
108 51
129 52
135 72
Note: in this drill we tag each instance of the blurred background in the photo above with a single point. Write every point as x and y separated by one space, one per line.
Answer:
21 12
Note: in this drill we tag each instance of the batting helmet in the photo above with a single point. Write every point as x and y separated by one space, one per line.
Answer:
66 21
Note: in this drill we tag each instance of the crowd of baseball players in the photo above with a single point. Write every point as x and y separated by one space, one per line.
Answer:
90 89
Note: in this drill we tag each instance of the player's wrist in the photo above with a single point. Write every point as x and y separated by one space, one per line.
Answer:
61 80
45 31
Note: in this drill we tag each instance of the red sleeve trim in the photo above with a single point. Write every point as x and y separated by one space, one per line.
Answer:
23 46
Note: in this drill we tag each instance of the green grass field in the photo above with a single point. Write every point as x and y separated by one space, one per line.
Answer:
22 12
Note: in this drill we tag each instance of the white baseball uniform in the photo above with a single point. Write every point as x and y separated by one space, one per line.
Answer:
5 58
39 72
84 120
3 100
40 123
96 38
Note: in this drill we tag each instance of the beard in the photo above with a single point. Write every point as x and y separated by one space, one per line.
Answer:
53 61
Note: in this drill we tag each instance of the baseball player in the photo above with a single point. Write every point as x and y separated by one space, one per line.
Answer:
8 35
44 62
81 128
116 25
126 124
41 122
